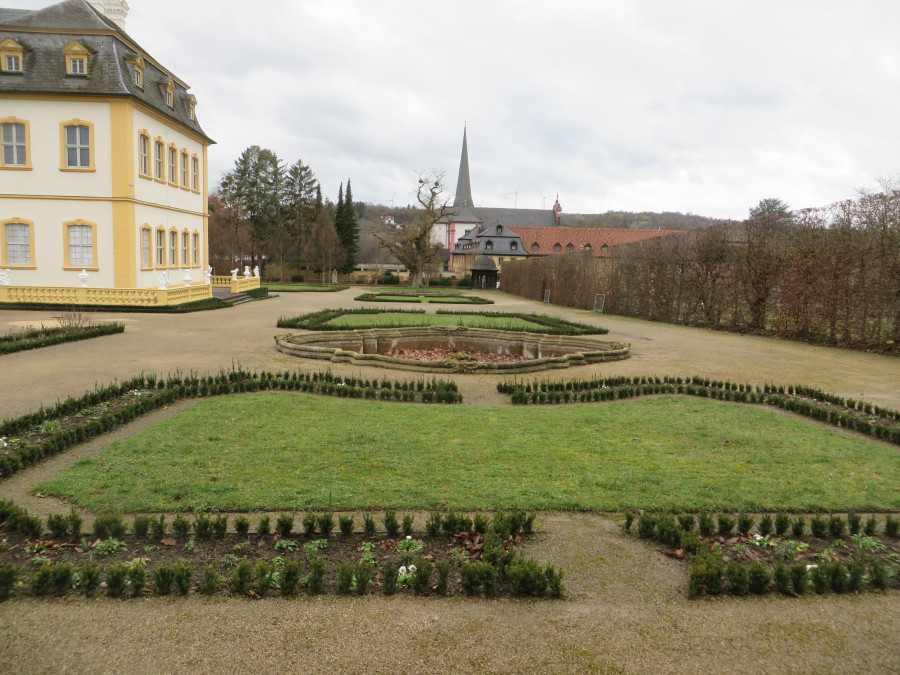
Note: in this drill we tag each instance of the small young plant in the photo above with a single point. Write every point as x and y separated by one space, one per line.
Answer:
819 577
837 577
190 546
766 525
264 526
818 526
798 526
759 578
745 523
368 525
854 522
181 526
241 577
421 575
242 526
140 526
344 578
878 575
209 580
290 577
725 525
158 527
738 578
686 521
309 524
346 525
646 526
110 546
264 576
389 581
116 579
836 526
137 576
782 579
220 526
555 586
799 575
871 526
891 526
433 524
629 521
284 524
782 524
391 524
58 525
74 524
315 582
480 523
326 524
407 524
109 525
163 579
705 525
183 574
443 568
362 576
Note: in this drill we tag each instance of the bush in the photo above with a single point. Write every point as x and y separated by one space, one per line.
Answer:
725 525
202 526
158 527
837 577
344 578
389 581
209 581
297 278
836 526
137 575
163 579
264 526
646 526
854 522
878 576
220 526
141 526
316 580
263 574
820 579
526 578
871 526
478 576
668 532
480 523
58 525
798 578
706 573
782 579
284 524
242 525
818 526
74 524
89 576
362 577
891 526
290 576
422 576
183 574
554 582
241 577
686 521
391 525
9 573
759 579
765 526
443 569
109 525
855 573
346 525
705 524
407 524
326 524
782 524
180 527
798 526
738 578
745 523
368 525
116 576
433 524
629 519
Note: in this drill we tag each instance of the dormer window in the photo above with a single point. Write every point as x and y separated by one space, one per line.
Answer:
137 69
499 229
489 246
587 247
604 249
11 56
557 247
513 246
76 59
570 248
191 102
534 246
167 84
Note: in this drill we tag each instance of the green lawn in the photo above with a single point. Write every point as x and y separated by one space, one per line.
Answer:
286 451
303 288
396 319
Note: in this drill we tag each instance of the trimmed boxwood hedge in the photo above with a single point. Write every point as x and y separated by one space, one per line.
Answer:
45 337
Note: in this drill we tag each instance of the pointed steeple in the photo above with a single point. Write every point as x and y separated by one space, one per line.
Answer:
463 186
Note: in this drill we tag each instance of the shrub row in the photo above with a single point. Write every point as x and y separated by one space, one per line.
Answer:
164 391
183 308
797 399
45 337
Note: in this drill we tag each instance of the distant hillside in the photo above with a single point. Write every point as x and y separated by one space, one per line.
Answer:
639 221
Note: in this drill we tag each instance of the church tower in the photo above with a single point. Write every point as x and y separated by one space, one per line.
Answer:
114 10
463 185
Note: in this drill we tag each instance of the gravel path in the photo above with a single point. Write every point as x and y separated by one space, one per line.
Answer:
626 610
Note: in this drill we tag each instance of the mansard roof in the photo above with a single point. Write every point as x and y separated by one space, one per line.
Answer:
488 216
45 32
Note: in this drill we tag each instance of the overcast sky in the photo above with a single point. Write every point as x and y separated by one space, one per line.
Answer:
693 106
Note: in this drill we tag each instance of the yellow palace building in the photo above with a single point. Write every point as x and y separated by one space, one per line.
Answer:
103 171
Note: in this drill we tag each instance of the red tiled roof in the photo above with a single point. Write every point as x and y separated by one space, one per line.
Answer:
580 238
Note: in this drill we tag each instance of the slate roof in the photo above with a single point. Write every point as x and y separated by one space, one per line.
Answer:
510 217
580 238
43 33
494 240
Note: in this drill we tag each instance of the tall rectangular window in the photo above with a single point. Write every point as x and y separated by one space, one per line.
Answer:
160 248
76 66
78 147
18 244
185 249
81 246
195 174
195 249
184 169
145 248
13 64
173 165
13 136
158 159
173 248
145 155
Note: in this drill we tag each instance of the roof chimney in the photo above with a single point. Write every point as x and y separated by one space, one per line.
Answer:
114 10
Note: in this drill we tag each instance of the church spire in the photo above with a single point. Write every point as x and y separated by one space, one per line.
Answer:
463 186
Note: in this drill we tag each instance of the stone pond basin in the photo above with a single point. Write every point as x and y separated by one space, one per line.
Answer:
367 347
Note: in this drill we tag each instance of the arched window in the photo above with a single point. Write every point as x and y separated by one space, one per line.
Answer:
587 247
513 246
570 248
557 247
489 245
604 249
534 246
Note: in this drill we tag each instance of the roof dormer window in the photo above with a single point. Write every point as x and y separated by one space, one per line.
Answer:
534 246
11 56
76 59
489 245
557 247
499 229
138 65
167 85
191 102
570 248
513 246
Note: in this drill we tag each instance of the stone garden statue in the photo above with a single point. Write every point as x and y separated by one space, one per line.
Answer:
234 273
207 276
256 271
4 277
246 271
163 280
83 275
187 279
